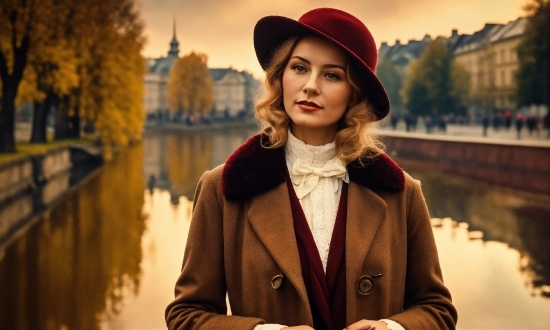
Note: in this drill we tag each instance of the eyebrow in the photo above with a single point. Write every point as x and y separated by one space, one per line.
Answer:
324 66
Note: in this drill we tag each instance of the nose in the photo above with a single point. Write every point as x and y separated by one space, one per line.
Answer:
311 86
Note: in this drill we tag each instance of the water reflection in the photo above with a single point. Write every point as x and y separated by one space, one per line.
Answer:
176 161
519 219
500 252
74 263
488 290
108 256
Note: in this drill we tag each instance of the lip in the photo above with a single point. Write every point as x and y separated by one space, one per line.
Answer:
308 106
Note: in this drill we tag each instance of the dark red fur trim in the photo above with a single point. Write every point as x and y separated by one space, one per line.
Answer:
380 173
253 169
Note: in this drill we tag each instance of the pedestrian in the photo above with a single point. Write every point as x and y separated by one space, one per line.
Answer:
393 121
442 123
519 124
546 124
309 224
507 119
485 123
428 124
497 120
532 124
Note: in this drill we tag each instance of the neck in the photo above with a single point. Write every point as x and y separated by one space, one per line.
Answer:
314 136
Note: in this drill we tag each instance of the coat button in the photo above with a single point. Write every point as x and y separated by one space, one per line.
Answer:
365 284
277 281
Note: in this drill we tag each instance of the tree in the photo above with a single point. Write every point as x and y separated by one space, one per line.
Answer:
460 87
392 82
22 29
111 92
190 86
533 74
85 71
435 84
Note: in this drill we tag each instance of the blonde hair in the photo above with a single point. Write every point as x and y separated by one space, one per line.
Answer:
354 139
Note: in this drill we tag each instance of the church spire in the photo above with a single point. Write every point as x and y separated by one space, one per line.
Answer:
174 44
174 33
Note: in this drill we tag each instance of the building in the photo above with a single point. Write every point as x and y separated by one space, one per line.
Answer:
491 58
489 55
402 55
232 90
503 48
156 80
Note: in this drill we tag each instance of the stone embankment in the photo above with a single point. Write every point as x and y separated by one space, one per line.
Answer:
30 185
523 165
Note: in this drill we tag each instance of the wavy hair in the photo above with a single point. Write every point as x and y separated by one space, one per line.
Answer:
354 139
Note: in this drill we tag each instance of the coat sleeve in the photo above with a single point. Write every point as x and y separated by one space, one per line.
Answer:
427 303
200 292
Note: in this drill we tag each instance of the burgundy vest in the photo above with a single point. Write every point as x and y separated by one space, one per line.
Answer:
326 293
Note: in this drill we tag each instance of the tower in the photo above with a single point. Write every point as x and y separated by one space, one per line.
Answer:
174 44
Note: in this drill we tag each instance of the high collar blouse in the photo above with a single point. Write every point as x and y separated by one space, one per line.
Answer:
321 204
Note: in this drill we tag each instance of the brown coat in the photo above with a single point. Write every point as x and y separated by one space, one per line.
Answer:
242 235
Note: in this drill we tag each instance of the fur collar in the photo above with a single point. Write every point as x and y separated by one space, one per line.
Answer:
252 170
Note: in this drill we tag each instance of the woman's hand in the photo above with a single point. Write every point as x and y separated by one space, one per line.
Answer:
300 327
368 325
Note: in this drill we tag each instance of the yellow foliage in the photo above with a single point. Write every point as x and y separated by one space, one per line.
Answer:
190 85
87 50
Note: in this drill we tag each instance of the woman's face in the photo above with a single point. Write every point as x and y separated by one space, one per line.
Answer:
316 91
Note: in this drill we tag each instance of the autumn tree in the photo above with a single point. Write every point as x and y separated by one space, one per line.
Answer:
391 80
111 90
533 75
81 58
51 68
430 88
22 29
190 86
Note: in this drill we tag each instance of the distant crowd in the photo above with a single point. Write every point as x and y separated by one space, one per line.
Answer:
501 120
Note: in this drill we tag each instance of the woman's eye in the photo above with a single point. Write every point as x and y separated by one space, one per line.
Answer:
298 68
332 76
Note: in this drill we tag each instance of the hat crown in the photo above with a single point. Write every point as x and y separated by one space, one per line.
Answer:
345 29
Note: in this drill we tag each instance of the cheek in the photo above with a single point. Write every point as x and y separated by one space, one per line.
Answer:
342 98
289 84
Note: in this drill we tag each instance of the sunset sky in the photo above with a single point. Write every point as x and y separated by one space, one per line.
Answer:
223 28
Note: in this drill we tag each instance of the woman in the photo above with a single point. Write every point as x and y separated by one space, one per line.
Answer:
309 224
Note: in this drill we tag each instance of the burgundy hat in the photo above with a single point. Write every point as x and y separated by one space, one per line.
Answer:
341 28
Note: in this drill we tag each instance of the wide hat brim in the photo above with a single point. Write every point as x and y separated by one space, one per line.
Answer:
271 31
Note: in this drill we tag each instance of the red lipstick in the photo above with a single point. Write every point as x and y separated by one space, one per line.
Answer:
308 106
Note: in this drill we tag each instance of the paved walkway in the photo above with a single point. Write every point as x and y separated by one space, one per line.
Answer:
474 131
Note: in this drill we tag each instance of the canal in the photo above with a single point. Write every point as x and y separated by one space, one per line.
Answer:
107 256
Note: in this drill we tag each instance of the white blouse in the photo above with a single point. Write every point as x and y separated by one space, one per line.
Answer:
321 204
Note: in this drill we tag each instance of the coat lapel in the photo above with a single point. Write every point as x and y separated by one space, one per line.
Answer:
276 231
366 211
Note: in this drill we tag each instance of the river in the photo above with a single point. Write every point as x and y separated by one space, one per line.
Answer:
108 255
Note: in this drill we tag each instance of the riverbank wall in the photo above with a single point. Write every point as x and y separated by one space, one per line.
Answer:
165 127
32 184
522 165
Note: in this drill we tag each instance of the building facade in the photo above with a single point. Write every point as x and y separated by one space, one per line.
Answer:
232 90
489 55
233 93
402 55
156 81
